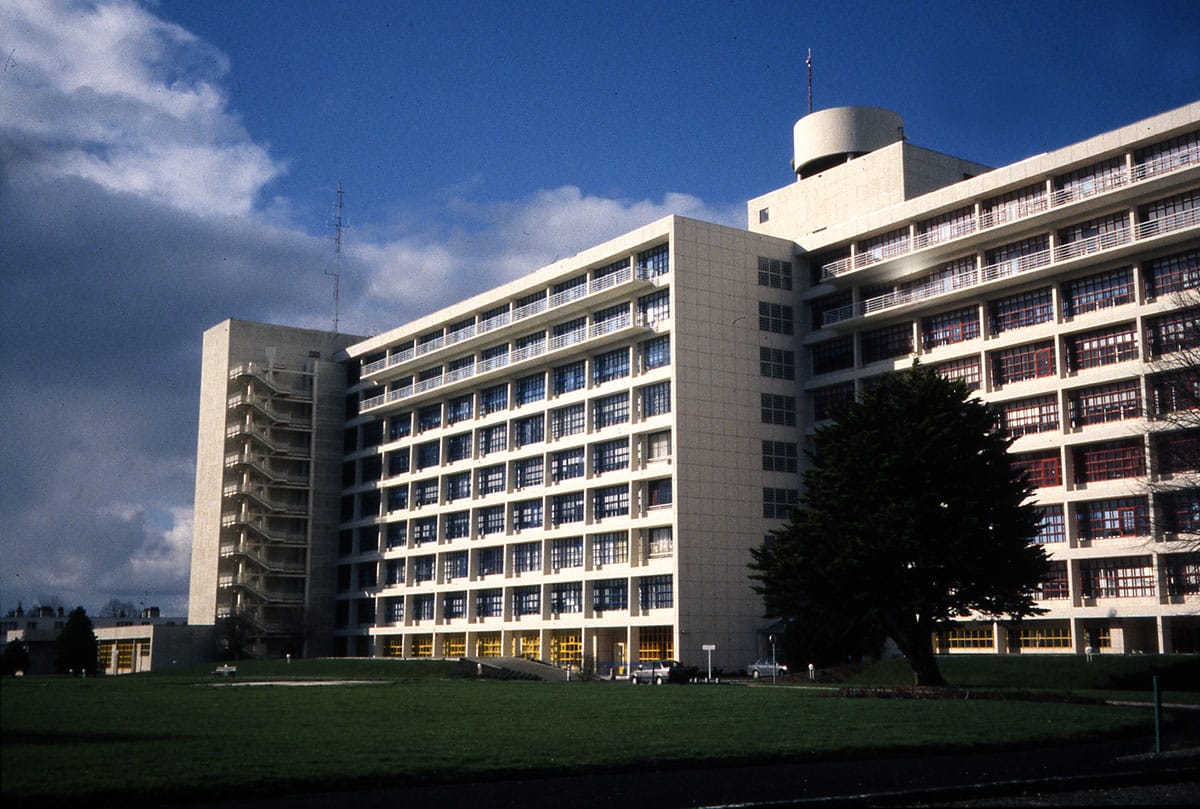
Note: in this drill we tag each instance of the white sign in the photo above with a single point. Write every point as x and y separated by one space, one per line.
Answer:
709 647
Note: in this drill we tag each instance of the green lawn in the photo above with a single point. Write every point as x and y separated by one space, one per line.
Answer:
170 736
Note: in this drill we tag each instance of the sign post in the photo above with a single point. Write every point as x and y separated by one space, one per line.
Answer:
710 648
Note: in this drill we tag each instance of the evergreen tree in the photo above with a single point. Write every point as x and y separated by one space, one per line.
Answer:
78 649
910 515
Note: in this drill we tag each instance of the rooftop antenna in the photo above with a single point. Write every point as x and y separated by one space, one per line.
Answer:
337 258
808 64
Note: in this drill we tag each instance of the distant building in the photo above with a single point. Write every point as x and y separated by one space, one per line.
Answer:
574 466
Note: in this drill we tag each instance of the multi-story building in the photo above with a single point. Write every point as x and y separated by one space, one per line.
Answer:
575 465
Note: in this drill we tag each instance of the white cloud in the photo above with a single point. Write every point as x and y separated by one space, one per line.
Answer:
110 93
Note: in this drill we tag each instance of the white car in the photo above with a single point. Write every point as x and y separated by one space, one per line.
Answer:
765 667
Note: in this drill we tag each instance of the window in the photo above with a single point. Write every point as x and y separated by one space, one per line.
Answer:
455 565
779 456
610 365
655 261
659 542
397 535
423 609
566 464
531 345
489 480
776 363
967 370
1175 392
1166 215
423 568
832 355
490 520
654 307
610 501
1181 511
610 549
658 493
947 226
887 343
1098 292
567 421
372 468
1118 517
778 409
428 454
530 430
1051 525
1026 416
1122 577
1054 586
775 317
493 439
1091 180
527 600
458 409
490 561
884 246
429 417
529 389
1102 347
774 273
1104 403
399 426
458 486
569 377
1017 257
1165 276
951 327
457 525
569 333
656 353
1177 452
1019 363
566 597
527 514
614 318
610 456
489 603
397 462
458 447
527 472
493 357
1014 205
1183 573
493 399
656 592
425 492
656 399
1042 468
658 446
566 508
567 552
610 594
1178 331
1108 461
610 410
397 498
454 605
1023 309
970 636
527 557
778 503
424 530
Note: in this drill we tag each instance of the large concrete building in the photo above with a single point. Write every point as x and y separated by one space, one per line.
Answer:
575 465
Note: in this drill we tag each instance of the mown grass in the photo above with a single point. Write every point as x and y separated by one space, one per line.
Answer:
177 736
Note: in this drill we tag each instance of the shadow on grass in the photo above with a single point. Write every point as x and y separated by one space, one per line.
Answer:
22 737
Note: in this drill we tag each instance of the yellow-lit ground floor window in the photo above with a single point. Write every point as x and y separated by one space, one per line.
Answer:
455 645
393 647
104 656
656 643
422 646
489 645
124 655
1098 636
566 649
527 645
1045 635
969 636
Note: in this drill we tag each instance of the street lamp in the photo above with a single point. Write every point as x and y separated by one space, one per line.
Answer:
774 668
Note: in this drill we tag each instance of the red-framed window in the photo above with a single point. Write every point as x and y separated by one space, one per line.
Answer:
1098 291
1177 331
1025 416
950 327
1052 525
1117 517
1023 309
1183 573
1110 460
1175 392
1031 361
1121 577
1177 451
1181 511
887 343
1054 585
1104 403
1091 349
1170 274
1042 468
967 369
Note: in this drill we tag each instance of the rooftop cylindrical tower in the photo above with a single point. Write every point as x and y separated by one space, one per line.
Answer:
828 137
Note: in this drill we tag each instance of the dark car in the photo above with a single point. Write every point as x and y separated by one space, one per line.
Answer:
663 671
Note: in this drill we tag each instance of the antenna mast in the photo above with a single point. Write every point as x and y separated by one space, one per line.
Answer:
337 258
808 64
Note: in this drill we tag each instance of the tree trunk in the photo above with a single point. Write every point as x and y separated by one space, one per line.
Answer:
917 645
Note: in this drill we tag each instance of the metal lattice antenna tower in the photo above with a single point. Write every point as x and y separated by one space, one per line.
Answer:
337 258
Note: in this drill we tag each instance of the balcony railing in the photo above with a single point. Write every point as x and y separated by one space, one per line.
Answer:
1000 215
1152 228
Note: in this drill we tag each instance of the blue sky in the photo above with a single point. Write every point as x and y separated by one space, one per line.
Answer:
166 165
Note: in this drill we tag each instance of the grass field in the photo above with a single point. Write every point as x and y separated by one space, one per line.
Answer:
165 737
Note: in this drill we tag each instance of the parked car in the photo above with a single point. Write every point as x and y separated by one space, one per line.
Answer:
663 671
765 667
